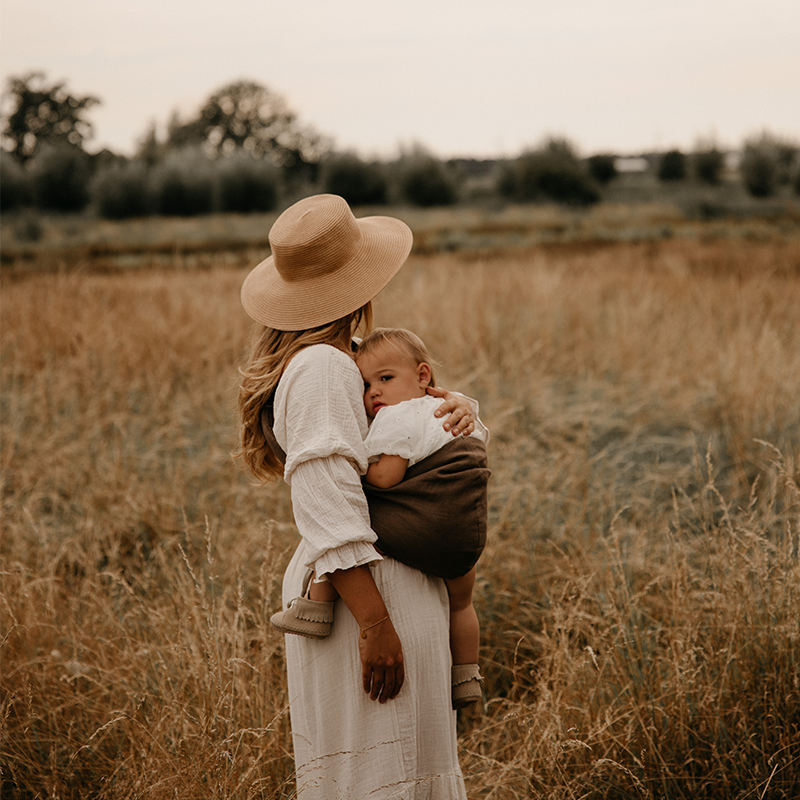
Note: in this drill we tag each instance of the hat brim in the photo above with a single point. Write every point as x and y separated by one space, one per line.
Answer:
299 305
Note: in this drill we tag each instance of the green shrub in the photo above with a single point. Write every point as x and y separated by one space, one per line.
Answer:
759 174
60 176
245 184
15 184
672 166
424 181
759 170
552 172
122 190
184 184
359 182
602 168
767 162
708 164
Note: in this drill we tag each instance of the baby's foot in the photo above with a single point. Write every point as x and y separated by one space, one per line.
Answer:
466 680
305 617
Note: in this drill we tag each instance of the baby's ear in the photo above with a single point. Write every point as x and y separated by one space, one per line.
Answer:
424 374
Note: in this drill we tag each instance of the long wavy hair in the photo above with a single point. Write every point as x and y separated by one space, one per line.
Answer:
270 352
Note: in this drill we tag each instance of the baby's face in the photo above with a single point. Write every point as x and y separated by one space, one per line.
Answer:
391 376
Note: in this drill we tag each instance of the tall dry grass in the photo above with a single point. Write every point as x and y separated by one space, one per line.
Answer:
638 595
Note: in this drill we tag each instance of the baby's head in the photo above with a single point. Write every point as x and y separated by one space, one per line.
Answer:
395 366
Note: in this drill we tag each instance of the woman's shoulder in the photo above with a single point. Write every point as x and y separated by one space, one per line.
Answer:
321 372
320 358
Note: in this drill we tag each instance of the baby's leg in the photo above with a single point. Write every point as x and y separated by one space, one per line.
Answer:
464 628
321 591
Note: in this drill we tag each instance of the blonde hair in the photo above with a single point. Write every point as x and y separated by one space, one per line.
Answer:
400 340
270 352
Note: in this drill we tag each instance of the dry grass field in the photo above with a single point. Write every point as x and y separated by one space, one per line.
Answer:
639 594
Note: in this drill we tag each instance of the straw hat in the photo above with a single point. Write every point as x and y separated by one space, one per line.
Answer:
325 264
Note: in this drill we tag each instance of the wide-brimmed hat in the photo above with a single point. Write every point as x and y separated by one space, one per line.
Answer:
325 264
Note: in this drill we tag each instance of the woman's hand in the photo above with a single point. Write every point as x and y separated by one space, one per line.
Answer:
382 672
381 654
461 418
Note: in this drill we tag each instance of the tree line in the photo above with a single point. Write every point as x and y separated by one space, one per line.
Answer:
245 150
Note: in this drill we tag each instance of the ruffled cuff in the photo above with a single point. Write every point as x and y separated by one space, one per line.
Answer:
349 555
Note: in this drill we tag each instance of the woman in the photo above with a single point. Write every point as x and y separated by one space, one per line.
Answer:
370 705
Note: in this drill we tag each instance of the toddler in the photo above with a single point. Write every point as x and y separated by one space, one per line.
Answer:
397 372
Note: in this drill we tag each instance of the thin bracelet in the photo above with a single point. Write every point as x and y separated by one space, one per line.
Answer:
364 630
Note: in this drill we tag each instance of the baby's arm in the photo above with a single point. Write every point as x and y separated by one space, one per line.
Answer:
388 471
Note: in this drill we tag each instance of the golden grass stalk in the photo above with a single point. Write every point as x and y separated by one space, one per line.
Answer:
638 594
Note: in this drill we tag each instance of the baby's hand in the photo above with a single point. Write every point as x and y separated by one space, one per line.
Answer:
458 412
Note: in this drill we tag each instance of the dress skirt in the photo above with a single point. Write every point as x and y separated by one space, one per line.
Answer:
348 747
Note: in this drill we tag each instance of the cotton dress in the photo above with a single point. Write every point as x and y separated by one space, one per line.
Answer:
346 746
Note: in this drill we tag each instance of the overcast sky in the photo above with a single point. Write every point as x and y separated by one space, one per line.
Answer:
468 78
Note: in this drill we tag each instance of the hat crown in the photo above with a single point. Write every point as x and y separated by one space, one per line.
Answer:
314 237
324 265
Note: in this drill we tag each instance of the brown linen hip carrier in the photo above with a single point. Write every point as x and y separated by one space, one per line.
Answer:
435 519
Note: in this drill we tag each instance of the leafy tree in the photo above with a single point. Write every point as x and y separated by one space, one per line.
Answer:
424 181
43 113
245 184
60 176
149 148
602 168
708 163
672 166
183 184
246 115
767 162
16 184
787 153
759 172
122 189
357 181
551 172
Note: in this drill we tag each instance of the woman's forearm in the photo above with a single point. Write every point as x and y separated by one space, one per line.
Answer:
382 672
357 589
331 514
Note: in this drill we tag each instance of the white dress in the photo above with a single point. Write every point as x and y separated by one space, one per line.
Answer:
346 746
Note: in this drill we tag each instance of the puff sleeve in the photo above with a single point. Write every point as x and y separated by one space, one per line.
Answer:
320 422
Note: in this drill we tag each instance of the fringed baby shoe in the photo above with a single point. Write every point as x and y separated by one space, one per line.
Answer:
466 680
305 617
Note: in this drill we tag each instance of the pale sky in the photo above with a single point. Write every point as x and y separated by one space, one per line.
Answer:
466 78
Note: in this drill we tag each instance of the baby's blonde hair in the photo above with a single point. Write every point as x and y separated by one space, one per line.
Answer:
400 340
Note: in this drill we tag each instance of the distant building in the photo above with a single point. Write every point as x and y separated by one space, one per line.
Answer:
631 164
733 160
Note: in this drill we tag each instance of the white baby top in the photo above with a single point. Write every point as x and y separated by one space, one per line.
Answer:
410 430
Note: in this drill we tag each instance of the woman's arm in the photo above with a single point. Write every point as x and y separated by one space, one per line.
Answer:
388 471
382 671
319 414
329 506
